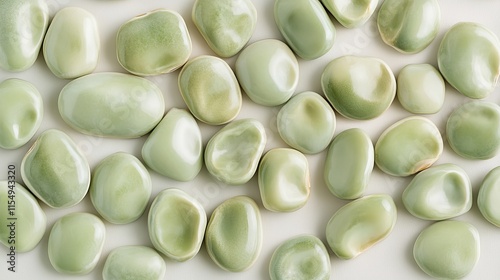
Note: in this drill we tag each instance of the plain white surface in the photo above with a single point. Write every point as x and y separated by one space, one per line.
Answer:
390 259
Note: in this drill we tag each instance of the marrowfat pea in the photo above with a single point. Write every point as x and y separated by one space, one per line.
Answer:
176 224
210 90
55 170
489 196
75 243
112 105
351 13
23 27
268 72
306 27
300 257
409 26
174 148
408 146
307 122
420 89
232 155
438 193
349 164
283 178
134 262
226 25
154 43
29 219
473 129
447 249
234 234
359 87
120 188
21 112
469 59
360 224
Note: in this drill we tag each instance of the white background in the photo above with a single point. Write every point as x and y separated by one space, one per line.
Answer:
390 259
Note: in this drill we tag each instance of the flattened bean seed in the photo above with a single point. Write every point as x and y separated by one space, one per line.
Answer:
134 262
489 195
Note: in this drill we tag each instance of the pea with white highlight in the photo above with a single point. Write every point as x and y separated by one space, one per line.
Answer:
351 13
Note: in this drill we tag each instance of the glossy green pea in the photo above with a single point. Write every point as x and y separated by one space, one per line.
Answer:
174 148
283 178
30 220
307 122
234 234
359 87
360 224
134 262
55 170
349 164
301 257
408 146
154 43
75 243
112 105
232 155
23 27
473 130
120 188
306 27
268 72
71 45
21 112
351 13
439 192
488 197
409 26
447 249
176 224
226 25
210 90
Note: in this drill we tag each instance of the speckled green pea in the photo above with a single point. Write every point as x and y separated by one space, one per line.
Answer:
226 25
420 89
174 148
30 220
306 27
268 72
21 112
409 26
283 178
232 155
307 122
301 257
469 59
351 13
55 170
408 146
234 234
75 243
349 164
473 130
359 87
176 224
489 195
447 249
71 45
154 43
210 90
120 188
23 27
134 262
112 105
438 193
360 224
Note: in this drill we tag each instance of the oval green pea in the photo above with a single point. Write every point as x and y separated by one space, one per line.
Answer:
134 262
349 13
488 197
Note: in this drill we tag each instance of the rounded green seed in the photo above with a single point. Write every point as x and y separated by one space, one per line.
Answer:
489 195
351 13
134 262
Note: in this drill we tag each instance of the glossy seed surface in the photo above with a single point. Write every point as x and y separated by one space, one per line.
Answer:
489 193
134 262
351 13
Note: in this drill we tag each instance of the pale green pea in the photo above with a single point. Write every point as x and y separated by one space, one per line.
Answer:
21 112
439 192
134 262
307 122
447 249
489 195
351 13
154 43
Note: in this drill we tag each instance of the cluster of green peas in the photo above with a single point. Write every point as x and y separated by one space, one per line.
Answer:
126 106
